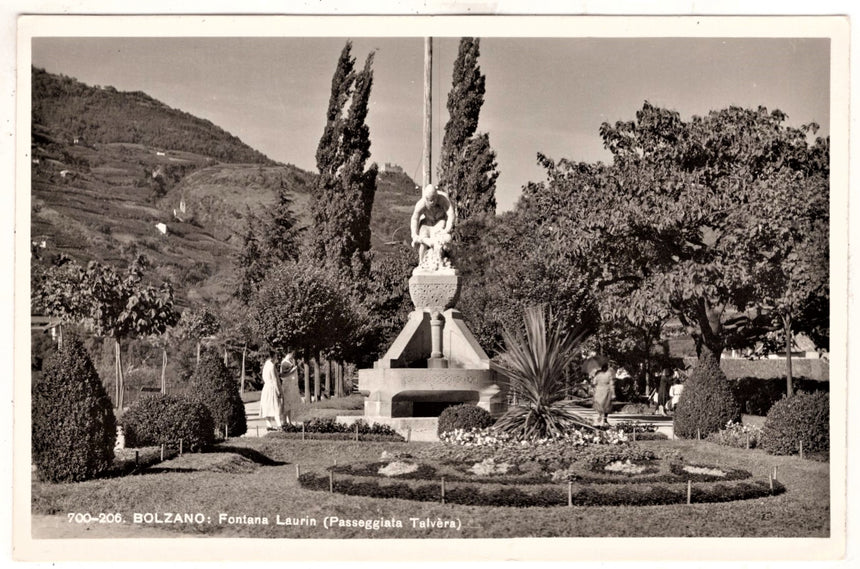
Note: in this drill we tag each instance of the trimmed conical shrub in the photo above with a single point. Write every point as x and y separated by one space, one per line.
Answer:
707 402
214 386
74 428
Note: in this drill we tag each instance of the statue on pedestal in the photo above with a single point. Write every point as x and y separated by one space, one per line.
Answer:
431 225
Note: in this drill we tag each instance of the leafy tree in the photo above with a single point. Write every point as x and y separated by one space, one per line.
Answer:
74 427
791 251
467 164
198 324
342 197
304 307
113 304
668 229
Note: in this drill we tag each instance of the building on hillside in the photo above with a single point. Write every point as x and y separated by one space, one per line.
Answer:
391 168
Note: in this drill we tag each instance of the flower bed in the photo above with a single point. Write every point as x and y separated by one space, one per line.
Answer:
737 435
336 437
545 495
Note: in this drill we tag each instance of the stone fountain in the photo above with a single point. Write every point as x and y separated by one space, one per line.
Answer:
435 361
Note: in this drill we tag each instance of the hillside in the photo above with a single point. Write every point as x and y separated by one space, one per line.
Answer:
78 112
99 198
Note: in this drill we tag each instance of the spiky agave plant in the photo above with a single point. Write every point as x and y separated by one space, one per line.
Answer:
533 367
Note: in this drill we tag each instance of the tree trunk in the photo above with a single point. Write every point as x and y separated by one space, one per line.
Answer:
710 343
120 383
307 373
198 353
786 320
242 377
163 370
317 385
225 356
327 371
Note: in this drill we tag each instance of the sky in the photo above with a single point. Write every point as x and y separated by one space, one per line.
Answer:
547 95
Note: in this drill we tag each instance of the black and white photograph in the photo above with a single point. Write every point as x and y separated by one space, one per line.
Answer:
448 288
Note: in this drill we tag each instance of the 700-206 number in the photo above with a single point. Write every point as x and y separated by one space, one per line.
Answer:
86 518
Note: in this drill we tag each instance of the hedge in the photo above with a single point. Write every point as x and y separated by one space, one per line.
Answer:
815 369
463 416
545 496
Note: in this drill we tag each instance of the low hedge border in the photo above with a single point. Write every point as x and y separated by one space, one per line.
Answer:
336 437
542 496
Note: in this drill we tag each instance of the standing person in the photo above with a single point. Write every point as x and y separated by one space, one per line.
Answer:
675 393
663 390
271 402
603 380
290 387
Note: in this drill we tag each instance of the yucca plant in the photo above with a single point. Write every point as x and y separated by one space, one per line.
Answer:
533 367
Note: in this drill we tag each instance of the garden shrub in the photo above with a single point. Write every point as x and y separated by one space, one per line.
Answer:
463 416
802 417
707 403
213 385
74 427
160 418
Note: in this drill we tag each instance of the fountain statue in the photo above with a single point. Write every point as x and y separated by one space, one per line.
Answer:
435 361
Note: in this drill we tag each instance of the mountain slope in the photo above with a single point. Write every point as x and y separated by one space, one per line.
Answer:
101 197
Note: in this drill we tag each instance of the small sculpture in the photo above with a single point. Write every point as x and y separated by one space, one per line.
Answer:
431 225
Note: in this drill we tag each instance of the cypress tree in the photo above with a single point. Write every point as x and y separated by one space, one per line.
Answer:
250 266
342 197
282 233
467 164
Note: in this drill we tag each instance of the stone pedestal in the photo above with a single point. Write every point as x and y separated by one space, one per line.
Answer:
434 362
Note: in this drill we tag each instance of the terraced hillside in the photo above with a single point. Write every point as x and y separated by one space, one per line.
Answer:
185 210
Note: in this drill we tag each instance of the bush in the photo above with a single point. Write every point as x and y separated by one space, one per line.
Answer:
160 418
463 416
214 386
74 428
802 417
707 403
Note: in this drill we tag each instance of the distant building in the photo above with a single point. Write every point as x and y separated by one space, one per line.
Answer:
391 168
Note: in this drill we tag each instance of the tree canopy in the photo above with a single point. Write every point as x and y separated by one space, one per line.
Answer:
686 215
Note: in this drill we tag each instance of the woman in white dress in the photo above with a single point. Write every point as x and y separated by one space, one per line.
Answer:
271 400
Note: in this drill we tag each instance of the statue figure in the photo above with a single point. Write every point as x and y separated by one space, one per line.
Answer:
431 225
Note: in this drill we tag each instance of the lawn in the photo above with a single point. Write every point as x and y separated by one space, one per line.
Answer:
257 478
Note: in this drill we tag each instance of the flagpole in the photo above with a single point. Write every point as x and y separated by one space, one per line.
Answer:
428 100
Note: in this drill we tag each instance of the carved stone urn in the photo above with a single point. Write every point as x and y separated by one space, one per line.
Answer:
434 291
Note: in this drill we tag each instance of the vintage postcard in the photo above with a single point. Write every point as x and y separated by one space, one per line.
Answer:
359 288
